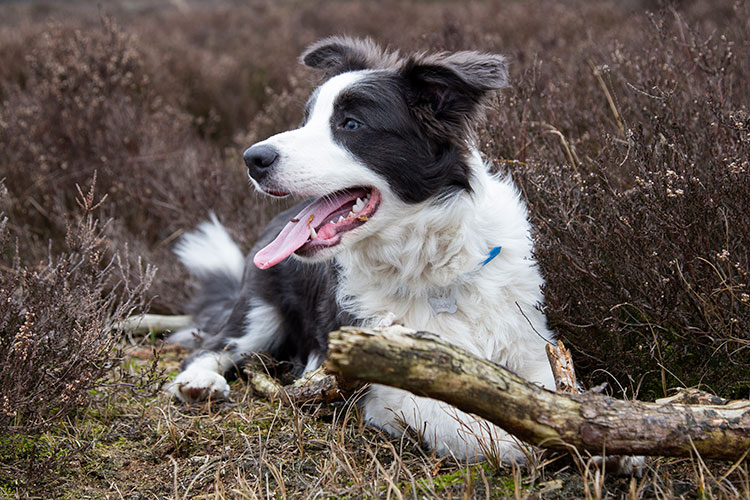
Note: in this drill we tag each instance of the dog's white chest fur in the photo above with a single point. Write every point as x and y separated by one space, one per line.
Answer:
433 255
428 252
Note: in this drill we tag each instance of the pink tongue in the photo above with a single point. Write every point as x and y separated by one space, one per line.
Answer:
296 234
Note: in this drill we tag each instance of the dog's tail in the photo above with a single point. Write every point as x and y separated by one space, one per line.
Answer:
214 258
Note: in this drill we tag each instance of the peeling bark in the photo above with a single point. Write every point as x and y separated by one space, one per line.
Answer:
318 386
423 364
562 368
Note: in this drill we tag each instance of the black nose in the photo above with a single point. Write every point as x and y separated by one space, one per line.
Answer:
259 160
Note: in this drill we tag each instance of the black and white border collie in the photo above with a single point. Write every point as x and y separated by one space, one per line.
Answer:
404 221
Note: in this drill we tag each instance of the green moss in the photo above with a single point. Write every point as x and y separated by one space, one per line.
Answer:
26 447
9 490
442 481
500 485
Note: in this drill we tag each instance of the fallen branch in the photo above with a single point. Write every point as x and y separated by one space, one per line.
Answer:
153 323
315 387
264 385
423 364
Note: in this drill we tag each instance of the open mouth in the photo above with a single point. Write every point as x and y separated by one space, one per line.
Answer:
276 194
321 225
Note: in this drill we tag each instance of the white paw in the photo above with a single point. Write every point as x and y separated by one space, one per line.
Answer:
632 465
623 465
198 385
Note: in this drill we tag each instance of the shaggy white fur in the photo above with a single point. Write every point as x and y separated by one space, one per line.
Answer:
210 249
432 250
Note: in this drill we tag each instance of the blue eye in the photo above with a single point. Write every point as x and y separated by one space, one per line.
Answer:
350 124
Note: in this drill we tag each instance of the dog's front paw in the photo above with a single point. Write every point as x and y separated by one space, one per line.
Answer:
623 465
631 465
198 385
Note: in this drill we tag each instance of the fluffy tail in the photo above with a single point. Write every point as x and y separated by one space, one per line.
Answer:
211 256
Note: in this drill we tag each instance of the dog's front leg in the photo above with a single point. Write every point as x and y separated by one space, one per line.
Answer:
203 378
450 432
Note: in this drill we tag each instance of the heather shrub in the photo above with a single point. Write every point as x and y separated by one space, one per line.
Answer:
88 105
638 186
56 335
224 62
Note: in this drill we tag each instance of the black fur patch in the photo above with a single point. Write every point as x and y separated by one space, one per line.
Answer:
446 92
302 294
416 162
338 54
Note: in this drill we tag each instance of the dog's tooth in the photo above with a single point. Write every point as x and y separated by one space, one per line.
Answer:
341 217
313 234
351 214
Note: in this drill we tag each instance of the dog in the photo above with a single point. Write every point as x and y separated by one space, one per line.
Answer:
404 220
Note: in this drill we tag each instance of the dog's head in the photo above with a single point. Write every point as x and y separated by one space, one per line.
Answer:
382 132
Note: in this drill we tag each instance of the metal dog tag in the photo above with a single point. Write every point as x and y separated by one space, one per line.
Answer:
443 304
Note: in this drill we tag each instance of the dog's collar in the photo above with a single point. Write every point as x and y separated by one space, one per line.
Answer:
491 255
445 302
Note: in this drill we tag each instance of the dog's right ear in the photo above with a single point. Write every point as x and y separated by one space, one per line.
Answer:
446 91
339 54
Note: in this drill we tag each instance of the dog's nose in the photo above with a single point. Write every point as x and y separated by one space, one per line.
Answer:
259 159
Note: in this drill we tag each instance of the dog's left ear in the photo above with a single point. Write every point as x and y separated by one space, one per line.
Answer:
339 54
447 90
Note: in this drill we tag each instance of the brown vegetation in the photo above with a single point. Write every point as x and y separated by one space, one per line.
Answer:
627 132
636 168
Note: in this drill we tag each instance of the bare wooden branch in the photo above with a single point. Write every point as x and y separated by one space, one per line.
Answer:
264 385
423 364
153 323
318 386
693 396
562 368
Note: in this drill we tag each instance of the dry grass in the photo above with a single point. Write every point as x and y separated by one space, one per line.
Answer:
143 447
627 132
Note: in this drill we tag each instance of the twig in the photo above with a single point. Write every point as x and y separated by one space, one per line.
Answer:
562 368
153 323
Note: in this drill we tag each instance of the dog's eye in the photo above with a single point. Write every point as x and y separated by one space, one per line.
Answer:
350 124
